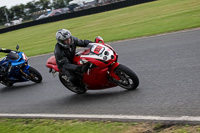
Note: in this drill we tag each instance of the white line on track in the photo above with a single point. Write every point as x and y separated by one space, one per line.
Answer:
106 117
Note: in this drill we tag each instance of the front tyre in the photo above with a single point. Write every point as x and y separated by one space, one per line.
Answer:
34 75
128 79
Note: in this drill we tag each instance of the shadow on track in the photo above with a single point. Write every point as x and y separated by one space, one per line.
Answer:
17 87
96 96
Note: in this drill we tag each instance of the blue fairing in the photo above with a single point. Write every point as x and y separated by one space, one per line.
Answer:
18 63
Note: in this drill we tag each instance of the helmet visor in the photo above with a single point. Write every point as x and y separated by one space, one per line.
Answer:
68 41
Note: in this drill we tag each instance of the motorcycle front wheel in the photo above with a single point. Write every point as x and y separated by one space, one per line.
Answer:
128 79
34 75
64 79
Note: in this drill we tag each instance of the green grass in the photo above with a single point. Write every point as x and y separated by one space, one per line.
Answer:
76 126
141 20
59 126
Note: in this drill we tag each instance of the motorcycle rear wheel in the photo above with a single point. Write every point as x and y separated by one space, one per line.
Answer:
64 80
128 79
7 83
34 75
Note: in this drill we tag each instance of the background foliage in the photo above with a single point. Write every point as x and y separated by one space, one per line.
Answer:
25 11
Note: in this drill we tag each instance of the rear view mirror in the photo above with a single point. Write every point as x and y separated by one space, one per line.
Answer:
17 47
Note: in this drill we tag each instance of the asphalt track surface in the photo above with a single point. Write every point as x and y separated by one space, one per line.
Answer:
167 65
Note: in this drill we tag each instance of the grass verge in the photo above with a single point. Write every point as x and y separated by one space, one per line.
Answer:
135 21
76 126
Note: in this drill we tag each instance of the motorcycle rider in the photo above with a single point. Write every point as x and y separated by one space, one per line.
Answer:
5 50
3 71
64 52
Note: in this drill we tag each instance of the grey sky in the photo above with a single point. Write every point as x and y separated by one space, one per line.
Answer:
10 3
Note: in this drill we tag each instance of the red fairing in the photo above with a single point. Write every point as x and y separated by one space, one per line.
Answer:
51 63
112 73
98 79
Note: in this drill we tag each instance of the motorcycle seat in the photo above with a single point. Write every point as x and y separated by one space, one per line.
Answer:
51 63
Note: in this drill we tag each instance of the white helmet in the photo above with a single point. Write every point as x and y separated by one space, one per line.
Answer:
61 36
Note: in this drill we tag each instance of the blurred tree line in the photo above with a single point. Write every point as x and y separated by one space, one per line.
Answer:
26 11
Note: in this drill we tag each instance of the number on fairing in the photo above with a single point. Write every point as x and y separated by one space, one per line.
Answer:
97 49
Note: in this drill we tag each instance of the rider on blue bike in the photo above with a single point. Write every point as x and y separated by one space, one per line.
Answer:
5 50
3 71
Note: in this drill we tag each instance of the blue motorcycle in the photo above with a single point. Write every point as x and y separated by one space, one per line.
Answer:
14 68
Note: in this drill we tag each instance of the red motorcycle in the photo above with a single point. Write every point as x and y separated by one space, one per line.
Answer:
104 71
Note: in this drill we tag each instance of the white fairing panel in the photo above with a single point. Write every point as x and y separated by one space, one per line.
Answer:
99 51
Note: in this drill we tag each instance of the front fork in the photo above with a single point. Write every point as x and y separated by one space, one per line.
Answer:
24 71
111 70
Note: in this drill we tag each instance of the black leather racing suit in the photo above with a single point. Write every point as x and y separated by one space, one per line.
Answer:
5 50
3 71
64 57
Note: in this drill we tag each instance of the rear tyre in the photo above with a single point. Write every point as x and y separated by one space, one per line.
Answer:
9 84
64 79
34 75
128 79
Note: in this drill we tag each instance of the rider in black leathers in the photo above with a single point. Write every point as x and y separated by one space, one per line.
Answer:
5 50
64 52
3 71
